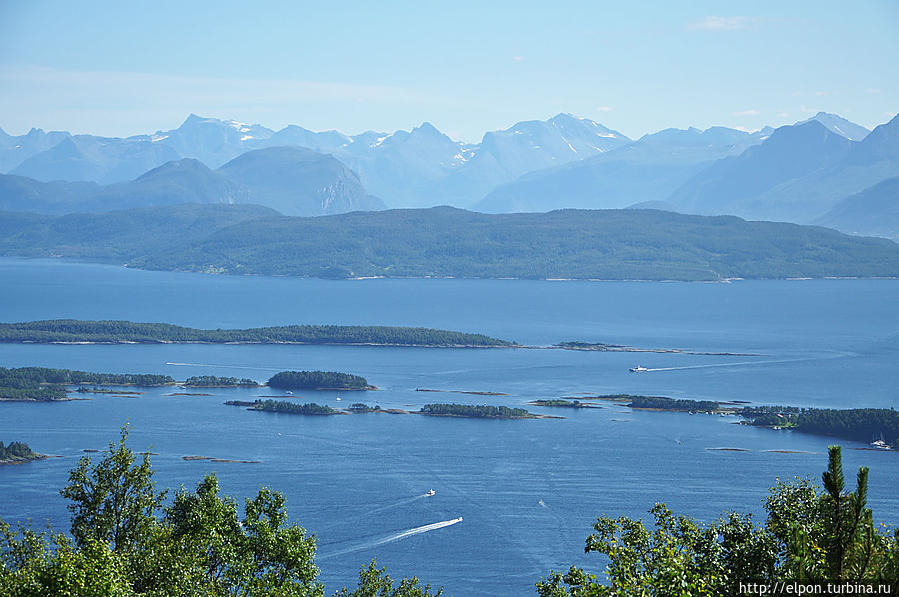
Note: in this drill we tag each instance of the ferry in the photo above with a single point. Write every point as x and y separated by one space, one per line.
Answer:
638 369
430 492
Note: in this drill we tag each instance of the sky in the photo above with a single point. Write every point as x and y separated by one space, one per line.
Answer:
122 68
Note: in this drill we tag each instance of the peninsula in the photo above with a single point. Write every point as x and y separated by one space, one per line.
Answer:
877 426
73 331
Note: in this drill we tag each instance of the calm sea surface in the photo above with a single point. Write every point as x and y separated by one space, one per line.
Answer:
528 491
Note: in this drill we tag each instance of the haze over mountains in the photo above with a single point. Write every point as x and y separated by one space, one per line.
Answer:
798 173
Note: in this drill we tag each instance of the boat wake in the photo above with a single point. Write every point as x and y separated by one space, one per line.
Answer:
740 364
398 536
214 365
402 502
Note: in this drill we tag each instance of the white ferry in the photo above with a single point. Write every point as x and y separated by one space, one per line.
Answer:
638 369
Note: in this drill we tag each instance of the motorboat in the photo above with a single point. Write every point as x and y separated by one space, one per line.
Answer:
638 369
430 492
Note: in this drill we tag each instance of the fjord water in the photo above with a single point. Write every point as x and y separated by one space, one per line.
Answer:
528 491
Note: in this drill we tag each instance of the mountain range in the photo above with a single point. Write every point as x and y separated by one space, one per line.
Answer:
797 173
291 180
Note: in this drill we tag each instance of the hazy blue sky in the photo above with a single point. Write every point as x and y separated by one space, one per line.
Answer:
119 68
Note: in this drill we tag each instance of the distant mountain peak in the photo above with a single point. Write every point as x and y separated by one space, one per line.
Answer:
428 129
839 125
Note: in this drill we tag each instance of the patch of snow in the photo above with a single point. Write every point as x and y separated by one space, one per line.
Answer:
571 147
606 135
379 141
155 138
245 137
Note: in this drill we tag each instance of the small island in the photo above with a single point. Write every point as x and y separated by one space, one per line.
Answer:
18 453
74 331
602 347
562 403
319 380
285 407
211 381
482 411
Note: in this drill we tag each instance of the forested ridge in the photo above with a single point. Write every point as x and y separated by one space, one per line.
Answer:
446 242
72 330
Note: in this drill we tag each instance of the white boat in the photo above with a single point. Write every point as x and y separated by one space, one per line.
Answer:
638 369
338 397
430 492
879 444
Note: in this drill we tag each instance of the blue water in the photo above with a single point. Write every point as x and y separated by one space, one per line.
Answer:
528 491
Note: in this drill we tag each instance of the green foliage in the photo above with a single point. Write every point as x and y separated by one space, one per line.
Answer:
317 380
43 384
809 535
662 403
126 545
483 411
113 502
73 330
259 555
860 424
211 381
559 402
293 408
441 242
16 451
375 582
359 407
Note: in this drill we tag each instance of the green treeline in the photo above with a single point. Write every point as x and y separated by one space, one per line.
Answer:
484 411
211 381
860 424
128 539
43 384
293 408
360 407
811 536
663 403
316 380
16 451
71 330
559 402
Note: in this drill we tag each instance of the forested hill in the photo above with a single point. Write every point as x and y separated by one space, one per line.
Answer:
443 242
112 332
